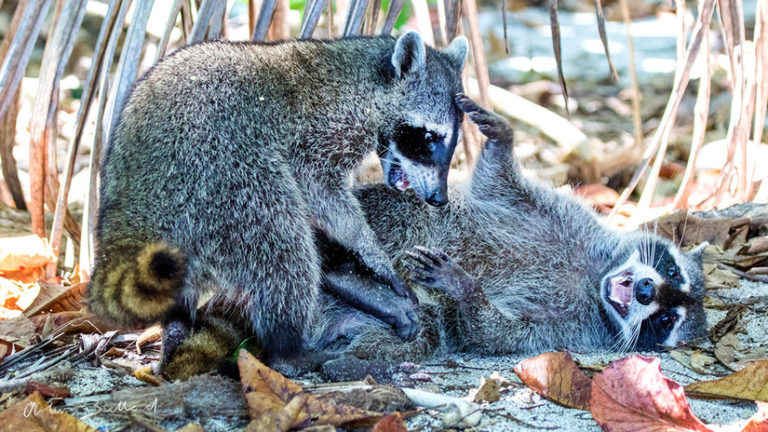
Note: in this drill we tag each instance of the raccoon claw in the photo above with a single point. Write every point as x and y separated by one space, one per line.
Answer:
432 268
407 325
494 126
403 290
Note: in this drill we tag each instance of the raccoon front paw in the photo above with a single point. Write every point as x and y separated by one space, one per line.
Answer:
433 268
400 288
406 322
494 126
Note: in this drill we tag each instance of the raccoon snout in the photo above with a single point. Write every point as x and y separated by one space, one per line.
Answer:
644 291
437 199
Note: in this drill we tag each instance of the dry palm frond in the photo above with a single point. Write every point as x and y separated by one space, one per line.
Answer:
676 96
85 105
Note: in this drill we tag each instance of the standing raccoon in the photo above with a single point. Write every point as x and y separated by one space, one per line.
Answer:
514 266
227 156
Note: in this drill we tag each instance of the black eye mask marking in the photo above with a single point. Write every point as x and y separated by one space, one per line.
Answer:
664 263
427 147
419 144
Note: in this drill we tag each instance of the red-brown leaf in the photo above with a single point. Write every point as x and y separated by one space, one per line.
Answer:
390 423
632 394
556 377
759 421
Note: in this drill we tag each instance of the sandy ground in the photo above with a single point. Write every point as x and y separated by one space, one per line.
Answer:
217 405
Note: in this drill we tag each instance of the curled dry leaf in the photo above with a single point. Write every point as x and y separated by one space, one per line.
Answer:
34 414
556 377
145 375
151 334
632 394
750 383
267 392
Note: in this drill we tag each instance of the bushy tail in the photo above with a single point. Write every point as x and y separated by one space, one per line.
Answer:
206 349
136 284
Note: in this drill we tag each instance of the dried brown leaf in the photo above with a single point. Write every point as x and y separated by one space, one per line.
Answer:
717 278
20 331
390 423
56 298
267 392
489 391
47 391
556 377
281 420
696 361
145 375
726 348
33 414
632 394
72 322
729 323
149 335
689 230
750 383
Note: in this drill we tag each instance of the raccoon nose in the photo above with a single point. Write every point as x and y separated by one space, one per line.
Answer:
437 199
644 291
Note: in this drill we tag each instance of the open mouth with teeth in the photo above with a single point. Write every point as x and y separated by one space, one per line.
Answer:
396 177
620 291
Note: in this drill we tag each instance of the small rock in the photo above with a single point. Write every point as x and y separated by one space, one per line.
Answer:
420 376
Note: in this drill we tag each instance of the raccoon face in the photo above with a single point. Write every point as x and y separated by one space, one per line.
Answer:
654 297
417 145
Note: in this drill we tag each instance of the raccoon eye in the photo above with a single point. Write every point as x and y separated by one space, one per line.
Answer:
430 137
673 271
667 320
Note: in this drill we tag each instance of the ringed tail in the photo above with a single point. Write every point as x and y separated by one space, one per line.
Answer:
136 288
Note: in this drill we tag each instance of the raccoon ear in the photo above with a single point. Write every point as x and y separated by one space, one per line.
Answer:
696 252
410 56
457 52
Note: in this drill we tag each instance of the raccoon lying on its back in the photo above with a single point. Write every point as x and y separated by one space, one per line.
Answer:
525 268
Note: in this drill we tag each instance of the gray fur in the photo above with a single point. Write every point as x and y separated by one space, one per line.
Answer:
234 152
521 271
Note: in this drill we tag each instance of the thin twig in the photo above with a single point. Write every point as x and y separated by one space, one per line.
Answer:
745 275
700 115
674 102
91 202
162 46
554 25
266 12
603 38
478 52
646 197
